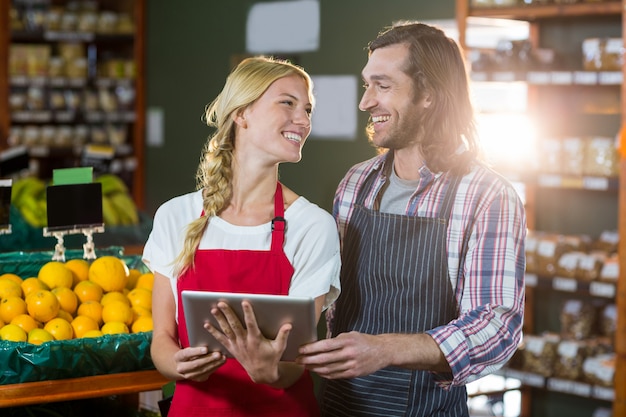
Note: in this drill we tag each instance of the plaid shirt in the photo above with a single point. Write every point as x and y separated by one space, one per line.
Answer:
489 290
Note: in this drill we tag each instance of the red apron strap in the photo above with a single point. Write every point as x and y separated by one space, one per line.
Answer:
278 222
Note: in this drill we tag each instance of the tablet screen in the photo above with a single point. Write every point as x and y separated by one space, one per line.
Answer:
271 311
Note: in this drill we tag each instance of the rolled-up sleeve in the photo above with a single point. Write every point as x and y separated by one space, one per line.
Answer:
491 288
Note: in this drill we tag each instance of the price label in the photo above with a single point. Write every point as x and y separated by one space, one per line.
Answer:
527 378
504 76
550 180
596 183
18 80
538 77
572 182
602 289
531 280
564 284
479 76
57 81
77 82
562 77
585 77
610 78
569 387
603 393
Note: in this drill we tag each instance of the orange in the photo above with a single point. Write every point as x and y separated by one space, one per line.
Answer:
145 281
64 315
55 274
114 296
42 305
26 322
13 333
13 277
91 309
59 328
140 297
140 312
39 336
133 276
93 333
109 272
88 291
79 268
114 327
9 288
67 299
117 311
83 324
33 284
142 324
11 307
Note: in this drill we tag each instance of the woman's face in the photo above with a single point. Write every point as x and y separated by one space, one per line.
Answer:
389 97
277 123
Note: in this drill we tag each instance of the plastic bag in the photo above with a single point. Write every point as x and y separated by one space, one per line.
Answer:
59 359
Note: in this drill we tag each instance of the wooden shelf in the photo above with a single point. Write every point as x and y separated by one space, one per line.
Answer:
568 78
549 11
28 393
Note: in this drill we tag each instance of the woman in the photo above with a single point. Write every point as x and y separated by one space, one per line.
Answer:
243 231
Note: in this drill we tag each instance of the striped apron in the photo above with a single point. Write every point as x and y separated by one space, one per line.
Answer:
394 279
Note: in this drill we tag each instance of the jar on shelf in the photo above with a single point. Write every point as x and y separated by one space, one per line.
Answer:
572 156
602 54
601 157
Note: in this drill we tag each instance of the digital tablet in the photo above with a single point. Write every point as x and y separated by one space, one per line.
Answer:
271 311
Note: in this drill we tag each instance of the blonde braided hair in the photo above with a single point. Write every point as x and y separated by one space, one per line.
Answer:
248 81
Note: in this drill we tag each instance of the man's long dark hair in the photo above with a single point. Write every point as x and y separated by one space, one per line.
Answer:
436 65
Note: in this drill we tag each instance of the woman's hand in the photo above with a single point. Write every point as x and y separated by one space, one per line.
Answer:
197 363
258 355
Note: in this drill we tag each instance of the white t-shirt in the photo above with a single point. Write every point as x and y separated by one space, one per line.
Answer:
311 243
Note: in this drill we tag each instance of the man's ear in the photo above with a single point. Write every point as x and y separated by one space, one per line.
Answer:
427 99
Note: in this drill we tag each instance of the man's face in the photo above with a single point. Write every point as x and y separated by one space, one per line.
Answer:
390 98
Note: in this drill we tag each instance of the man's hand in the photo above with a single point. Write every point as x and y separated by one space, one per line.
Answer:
348 355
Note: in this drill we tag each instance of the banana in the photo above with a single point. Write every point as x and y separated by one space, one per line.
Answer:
125 208
109 213
31 217
27 186
111 183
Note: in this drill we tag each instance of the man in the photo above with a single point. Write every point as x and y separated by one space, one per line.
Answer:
432 244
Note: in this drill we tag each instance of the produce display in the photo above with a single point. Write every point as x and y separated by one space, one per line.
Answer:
28 195
118 207
75 299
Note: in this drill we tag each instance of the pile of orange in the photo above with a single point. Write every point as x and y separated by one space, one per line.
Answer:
75 299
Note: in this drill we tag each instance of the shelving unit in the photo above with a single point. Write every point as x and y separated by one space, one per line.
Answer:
558 84
112 131
128 154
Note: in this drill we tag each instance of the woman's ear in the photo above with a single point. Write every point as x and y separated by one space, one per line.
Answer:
240 119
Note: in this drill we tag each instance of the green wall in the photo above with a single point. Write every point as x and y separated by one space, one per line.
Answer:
189 47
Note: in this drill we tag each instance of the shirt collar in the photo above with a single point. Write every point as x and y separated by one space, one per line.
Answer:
384 164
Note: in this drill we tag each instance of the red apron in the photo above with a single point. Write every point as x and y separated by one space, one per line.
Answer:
229 391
